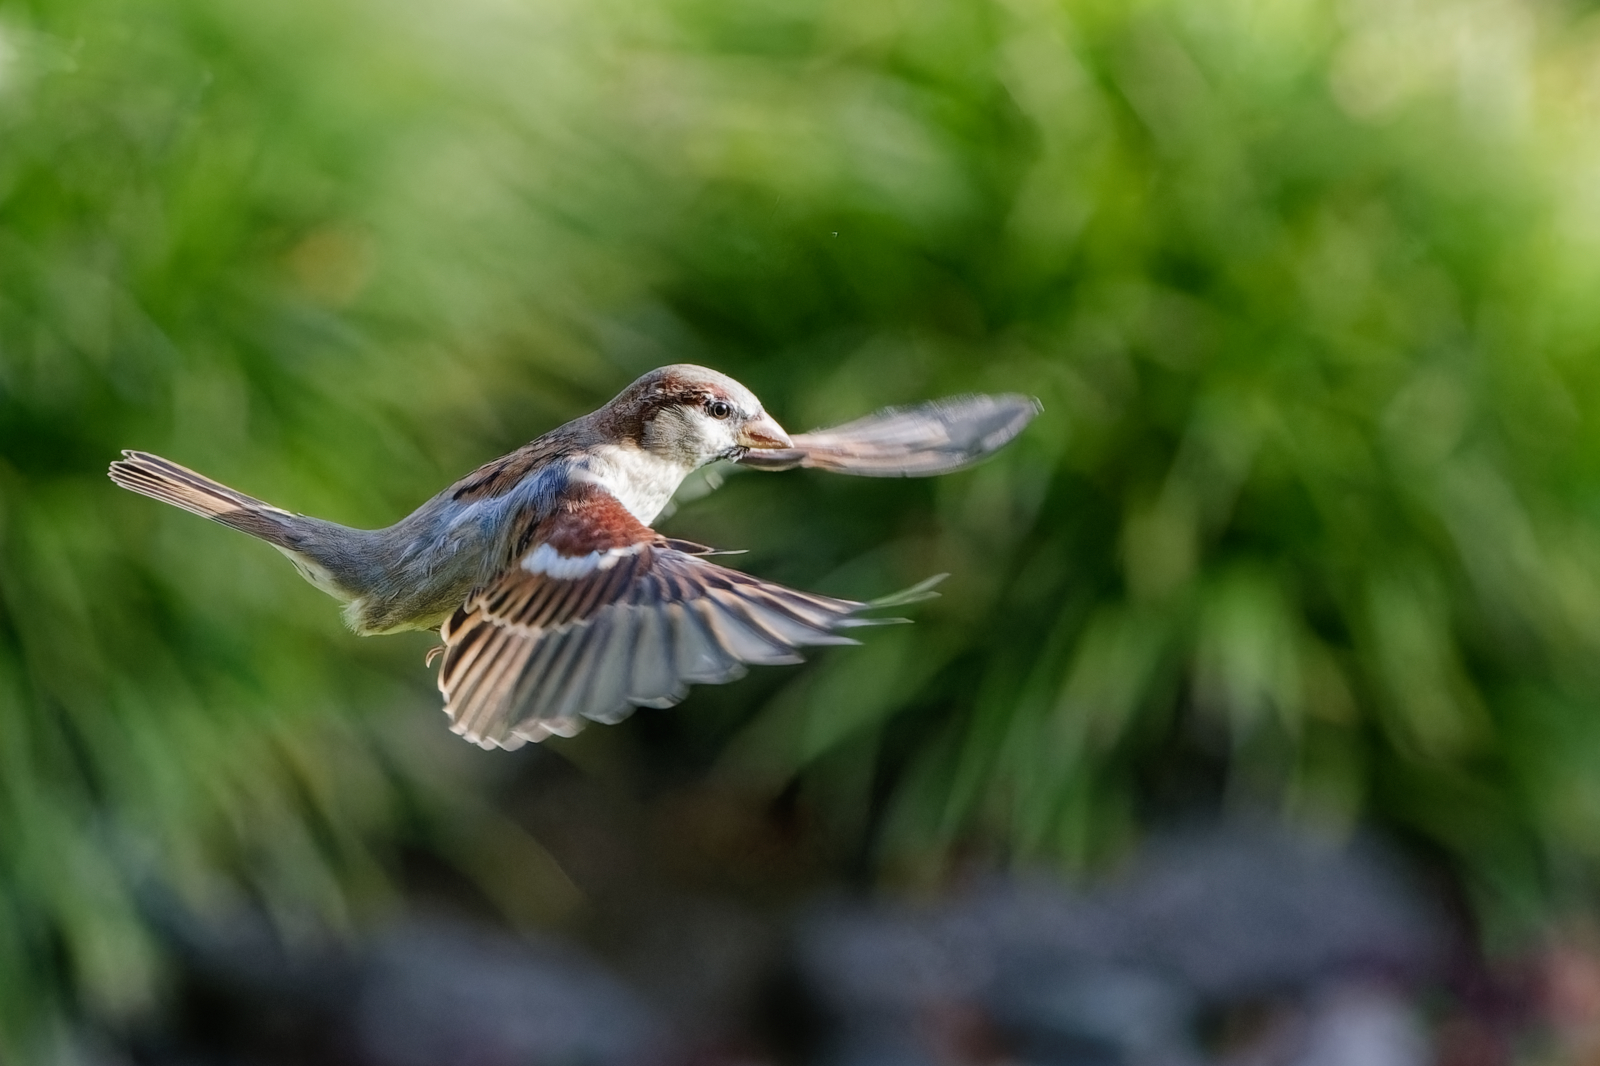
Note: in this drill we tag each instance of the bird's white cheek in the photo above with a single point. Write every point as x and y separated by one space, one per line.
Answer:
717 438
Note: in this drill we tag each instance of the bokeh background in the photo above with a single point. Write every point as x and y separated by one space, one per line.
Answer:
1307 538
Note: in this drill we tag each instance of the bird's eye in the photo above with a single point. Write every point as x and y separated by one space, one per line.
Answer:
719 409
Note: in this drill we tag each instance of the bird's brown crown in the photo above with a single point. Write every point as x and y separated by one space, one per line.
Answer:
678 385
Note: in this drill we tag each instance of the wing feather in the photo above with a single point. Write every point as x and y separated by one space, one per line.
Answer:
607 698
527 703
698 658
552 688
932 438
775 625
651 680
578 685
485 688
741 640
631 621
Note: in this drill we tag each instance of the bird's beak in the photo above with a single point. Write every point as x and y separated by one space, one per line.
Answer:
763 432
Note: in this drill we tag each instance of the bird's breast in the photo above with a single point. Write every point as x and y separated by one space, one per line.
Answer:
642 481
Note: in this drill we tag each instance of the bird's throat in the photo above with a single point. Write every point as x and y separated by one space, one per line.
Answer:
641 480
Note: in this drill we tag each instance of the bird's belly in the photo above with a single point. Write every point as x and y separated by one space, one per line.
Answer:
419 574
395 610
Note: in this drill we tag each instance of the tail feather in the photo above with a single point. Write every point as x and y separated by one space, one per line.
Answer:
161 479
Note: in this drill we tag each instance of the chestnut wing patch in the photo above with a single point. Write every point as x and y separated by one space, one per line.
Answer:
594 618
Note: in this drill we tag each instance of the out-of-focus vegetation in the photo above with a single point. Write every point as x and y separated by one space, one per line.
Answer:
1311 520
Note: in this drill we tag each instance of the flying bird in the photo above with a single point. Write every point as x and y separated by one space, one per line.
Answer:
556 601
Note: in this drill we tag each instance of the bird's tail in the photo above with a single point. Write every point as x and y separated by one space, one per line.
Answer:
161 479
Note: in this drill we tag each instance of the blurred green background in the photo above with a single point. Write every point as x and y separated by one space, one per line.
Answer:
1310 523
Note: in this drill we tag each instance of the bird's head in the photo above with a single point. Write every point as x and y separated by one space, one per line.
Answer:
691 416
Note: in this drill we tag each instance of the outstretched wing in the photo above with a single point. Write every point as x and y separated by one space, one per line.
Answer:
597 614
931 438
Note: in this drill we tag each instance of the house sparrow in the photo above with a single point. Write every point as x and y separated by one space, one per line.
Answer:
556 601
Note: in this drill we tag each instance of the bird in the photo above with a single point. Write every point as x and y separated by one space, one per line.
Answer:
556 602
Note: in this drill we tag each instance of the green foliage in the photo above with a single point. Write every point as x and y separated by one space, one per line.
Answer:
1310 518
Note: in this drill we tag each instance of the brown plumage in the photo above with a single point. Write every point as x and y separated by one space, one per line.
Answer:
538 653
557 602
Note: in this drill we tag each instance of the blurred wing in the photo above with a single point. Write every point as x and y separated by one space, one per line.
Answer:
572 632
931 438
